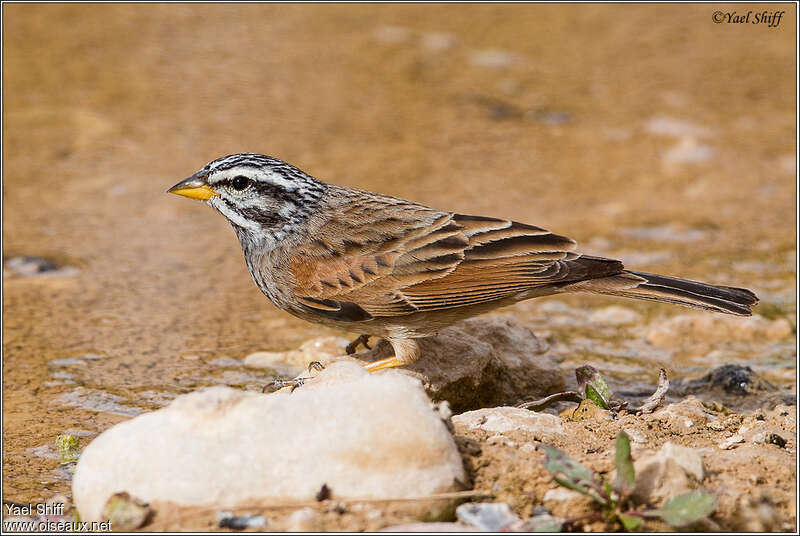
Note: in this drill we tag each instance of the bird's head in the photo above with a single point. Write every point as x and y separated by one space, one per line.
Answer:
265 199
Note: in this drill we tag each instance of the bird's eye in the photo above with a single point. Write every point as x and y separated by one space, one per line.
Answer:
240 182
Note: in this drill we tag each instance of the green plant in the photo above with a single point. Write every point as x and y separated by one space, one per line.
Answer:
68 448
614 498
592 386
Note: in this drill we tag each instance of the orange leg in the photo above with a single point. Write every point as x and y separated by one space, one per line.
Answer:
405 351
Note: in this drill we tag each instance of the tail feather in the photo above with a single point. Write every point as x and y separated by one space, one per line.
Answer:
661 288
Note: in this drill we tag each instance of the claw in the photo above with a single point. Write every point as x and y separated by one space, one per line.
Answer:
315 365
353 346
275 385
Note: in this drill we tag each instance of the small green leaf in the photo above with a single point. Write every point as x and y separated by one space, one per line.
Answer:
593 395
592 383
688 508
568 472
629 522
626 476
67 445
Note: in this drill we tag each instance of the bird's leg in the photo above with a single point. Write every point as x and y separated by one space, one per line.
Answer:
353 346
405 351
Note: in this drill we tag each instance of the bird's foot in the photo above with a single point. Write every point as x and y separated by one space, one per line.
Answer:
277 385
353 346
381 364
315 366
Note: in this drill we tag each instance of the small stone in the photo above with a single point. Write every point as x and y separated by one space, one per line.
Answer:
496 59
292 362
437 42
561 495
636 436
688 150
392 34
227 520
587 410
775 439
731 443
225 362
676 128
489 517
689 459
502 420
301 520
684 415
657 478
125 512
431 527
66 362
29 266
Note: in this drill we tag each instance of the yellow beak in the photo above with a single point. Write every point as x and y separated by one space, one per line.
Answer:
194 188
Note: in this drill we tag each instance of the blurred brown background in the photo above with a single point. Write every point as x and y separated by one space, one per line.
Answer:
610 124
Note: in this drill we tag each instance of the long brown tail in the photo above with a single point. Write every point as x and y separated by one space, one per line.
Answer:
661 288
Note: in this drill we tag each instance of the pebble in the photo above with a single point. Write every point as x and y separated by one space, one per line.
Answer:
689 459
431 527
29 266
732 442
489 517
492 58
292 362
675 128
688 151
227 520
560 495
502 420
437 42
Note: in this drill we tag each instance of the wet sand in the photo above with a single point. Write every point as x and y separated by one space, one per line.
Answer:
647 133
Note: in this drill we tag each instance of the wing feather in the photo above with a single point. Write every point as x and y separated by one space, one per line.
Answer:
422 260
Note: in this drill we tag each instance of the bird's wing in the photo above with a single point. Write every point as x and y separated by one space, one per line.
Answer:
422 260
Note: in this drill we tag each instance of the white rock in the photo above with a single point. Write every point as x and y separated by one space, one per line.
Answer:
320 349
689 459
542 426
682 416
658 477
392 34
363 435
431 527
489 517
437 41
687 151
300 520
560 495
675 128
492 58
731 443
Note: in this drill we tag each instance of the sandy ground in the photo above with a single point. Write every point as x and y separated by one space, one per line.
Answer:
649 133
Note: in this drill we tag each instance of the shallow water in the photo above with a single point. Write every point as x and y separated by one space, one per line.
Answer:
647 133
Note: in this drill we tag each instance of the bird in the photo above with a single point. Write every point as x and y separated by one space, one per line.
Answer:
382 266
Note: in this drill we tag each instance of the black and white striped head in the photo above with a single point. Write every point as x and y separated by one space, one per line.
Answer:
264 198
